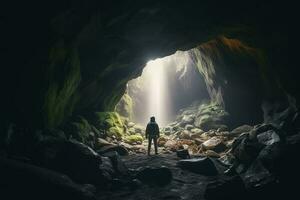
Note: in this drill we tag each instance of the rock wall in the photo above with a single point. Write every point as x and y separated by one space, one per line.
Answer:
63 58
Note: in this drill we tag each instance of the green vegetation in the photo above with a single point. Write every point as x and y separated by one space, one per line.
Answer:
134 139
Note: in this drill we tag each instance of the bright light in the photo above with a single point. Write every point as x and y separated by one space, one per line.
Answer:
156 90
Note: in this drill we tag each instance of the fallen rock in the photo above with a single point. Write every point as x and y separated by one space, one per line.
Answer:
187 119
118 165
101 142
130 124
171 145
215 144
113 147
155 176
211 153
183 154
241 129
188 127
161 141
269 137
185 135
204 166
24 181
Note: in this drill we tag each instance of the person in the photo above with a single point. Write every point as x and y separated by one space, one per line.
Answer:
152 133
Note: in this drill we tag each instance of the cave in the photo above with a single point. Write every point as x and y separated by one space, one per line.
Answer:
81 79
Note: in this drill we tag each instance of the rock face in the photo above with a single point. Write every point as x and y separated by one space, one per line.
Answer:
202 166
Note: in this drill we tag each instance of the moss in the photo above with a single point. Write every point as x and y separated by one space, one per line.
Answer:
125 106
110 121
80 129
134 139
63 77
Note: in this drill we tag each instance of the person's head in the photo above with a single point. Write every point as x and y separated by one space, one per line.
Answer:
152 119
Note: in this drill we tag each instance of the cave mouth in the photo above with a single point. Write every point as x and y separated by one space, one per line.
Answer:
166 86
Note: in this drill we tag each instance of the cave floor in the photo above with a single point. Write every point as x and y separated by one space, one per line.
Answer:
184 185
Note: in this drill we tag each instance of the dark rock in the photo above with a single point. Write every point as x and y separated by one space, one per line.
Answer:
246 150
226 188
118 165
268 138
75 159
241 129
215 144
118 148
257 178
183 154
24 181
155 176
204 166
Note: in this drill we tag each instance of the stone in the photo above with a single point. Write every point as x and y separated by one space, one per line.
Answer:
187 119
161 141
197 131
185 134
215 144
204 166
246 150
134 139
113 147
225 188
183 154
118 165
21 180
101 143
158 176
171 145
269 137
130 124
188 127
211 153
241 129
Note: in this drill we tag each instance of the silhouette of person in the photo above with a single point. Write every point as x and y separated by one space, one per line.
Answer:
152 133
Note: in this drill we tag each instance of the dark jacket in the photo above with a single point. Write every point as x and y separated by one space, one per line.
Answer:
152 130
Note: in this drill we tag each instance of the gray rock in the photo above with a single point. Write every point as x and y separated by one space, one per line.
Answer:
241 129
215 144
188 127
268 138
204 166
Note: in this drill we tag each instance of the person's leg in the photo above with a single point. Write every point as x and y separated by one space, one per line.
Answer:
149 145
155 144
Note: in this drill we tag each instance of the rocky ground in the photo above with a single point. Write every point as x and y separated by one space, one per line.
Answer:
199 158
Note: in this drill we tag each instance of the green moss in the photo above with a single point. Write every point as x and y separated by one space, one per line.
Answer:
63 77
134 139
125 106
110 121
80 129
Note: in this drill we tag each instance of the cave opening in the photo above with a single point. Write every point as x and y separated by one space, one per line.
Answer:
166 86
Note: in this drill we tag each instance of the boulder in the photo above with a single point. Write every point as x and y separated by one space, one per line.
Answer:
241 129
161 141
197 131
188 127
268 138
171 145
101 143
185 134
130 124
187 119
158 176
211 153
25 181
215 144
204 166
133 139
118 165
113 147
183 154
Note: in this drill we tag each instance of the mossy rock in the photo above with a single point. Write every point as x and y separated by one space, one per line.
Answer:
111 122
80 129
134 139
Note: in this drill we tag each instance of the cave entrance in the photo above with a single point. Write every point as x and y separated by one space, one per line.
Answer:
166 86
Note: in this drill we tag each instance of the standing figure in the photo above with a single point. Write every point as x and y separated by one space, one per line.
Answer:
152 133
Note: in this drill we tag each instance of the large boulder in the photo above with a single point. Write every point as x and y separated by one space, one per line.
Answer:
241 129
121 150
75 159
268 138
204 166
215 143
25 181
